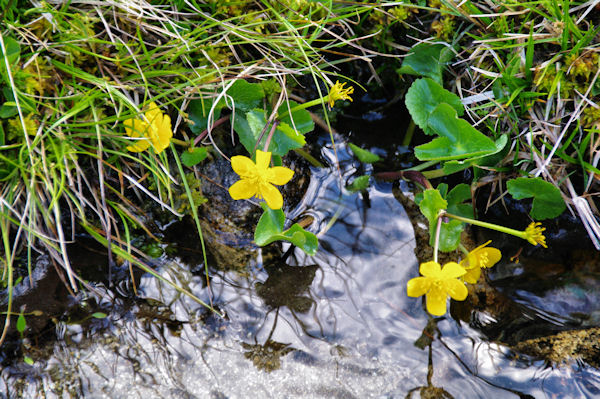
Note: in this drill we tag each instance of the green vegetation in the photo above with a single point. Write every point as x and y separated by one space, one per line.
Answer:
106 108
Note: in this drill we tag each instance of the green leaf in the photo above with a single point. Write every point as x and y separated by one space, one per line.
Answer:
364 155
423 97
428 60
301 117
21 323
270 229
13 51
449 236
198 111
490 160
193 156
28 360
458 139
431 205
99 315
547 200
246 96
359 184
250 126
456 198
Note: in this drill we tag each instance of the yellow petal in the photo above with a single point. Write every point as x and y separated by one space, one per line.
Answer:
418 286
472 275
139 145
154 114
243 166
263 159
494 255
271 195
136 128
242 189
436 302
164 134
452 270
456 289
430 269
280 175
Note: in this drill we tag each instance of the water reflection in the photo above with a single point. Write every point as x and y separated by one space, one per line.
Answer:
338 324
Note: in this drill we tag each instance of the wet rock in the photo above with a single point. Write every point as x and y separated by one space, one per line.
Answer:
565 347
45 294
228 225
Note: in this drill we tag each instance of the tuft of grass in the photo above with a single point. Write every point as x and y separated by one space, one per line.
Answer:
71 73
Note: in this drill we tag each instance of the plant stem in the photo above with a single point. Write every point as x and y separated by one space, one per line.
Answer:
502 229
436 243
180 142
311 103
409 133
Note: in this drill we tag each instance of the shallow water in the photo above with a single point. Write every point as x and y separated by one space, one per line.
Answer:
336 325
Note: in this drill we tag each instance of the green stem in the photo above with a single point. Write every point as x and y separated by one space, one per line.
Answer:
311 103
502 229
409 134
180 142
436 243
424 165
312 160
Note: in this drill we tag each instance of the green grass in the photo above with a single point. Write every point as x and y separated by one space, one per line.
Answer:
72 73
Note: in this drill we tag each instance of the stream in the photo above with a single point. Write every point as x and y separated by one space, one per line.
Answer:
336 325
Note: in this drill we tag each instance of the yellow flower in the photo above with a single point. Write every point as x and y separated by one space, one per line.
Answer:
478 258
258 179
338 92
533 234
437 284
154 129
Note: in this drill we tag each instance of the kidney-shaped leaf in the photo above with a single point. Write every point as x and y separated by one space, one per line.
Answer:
250 126
427 59
270 229
422 98
431 205
547 201
458 139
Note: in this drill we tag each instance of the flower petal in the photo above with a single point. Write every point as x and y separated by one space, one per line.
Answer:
271 195
263 159
452 270
494 255
436 302
242 189
430 269
136 128
456 289
418 286
164 134
243 166
154 114
472 275
139 145
280 175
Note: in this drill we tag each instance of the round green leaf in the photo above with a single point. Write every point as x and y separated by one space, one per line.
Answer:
423 96
458 139
547 200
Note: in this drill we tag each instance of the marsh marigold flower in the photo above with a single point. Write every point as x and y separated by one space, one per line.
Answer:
436 284
534 234
154 129
257 179
338 92
480 257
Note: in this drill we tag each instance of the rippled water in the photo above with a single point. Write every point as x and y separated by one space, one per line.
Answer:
336 325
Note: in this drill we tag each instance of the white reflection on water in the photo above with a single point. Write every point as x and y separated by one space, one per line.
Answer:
336 325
